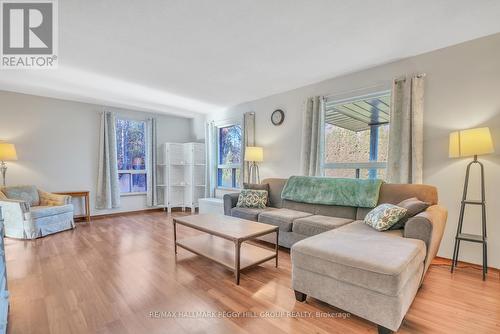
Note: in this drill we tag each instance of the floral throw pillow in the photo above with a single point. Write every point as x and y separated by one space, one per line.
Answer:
384 216
250 198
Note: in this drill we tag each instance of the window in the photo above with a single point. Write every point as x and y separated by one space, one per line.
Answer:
356 136
229 156
131 155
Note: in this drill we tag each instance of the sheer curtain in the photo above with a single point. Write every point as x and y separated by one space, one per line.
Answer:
151 159
247 140
312 133
405 156
210 156
108 191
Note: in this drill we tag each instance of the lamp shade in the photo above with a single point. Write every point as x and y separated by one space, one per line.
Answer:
470 142
7 152
254 153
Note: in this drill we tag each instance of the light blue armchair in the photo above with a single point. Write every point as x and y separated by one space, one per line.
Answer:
30 213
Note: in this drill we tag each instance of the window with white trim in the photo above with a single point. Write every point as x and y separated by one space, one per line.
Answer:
356 136
229 146
131 156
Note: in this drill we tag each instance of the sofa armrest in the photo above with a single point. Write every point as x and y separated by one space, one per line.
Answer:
428 226
51 199
230 201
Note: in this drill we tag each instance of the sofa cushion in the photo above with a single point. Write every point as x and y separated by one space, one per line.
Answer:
359 255
384 216
275 189
259 186
24 193
317 224
394 193
413 206
248 213
249 198
283 218
47 211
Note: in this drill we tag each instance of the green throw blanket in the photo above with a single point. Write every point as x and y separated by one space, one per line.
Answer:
332 191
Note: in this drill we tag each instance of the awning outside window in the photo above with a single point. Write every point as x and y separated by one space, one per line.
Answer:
359 114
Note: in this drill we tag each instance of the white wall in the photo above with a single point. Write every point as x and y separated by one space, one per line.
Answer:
462 91
57 143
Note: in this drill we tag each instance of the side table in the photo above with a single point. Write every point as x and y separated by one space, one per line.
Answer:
86 196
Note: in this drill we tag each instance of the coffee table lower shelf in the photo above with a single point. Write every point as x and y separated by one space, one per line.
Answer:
227 253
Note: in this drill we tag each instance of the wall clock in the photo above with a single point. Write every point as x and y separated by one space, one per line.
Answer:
277 117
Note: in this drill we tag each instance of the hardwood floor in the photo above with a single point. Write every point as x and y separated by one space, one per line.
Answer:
113 275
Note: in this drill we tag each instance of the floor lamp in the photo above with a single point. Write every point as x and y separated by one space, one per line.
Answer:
253 155
471 143
7 153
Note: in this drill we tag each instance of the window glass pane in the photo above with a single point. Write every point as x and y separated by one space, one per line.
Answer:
342 145
130 144
383 142
357 131
225 177
124 181
379 173
230 145
139 183
345 173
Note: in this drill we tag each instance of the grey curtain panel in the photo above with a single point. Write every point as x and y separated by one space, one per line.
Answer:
108 190
151 160
248 140
405 157
210 156
312 136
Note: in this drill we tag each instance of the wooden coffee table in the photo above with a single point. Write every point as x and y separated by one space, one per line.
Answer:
224 241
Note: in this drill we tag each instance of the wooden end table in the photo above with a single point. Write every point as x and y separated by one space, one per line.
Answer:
224 241
86 196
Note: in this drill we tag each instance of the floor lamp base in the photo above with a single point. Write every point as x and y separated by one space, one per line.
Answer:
480 238
3 170
253 173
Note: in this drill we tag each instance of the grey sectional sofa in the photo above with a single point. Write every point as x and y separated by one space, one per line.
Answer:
338 259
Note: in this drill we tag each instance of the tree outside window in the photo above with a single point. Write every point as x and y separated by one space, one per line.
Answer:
131 155
229 156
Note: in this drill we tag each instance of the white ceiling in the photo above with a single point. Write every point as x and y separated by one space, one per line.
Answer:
190 57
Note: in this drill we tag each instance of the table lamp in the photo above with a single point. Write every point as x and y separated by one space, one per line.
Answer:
471 143
253 155
7 153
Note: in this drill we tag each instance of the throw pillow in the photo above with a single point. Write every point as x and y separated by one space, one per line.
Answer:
384 216
255 199
259 186
414 207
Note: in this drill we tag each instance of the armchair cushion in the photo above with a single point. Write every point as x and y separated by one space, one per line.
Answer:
49 199
25 193
47 211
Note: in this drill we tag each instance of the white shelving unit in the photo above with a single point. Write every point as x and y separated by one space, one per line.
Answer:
181 175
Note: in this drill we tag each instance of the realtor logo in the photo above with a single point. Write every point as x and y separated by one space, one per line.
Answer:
29 34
